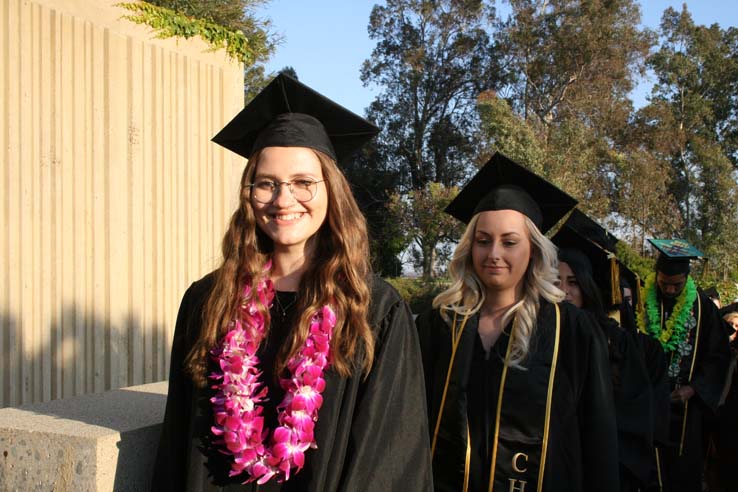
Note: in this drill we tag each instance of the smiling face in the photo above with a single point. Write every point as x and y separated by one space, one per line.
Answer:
570 285
288 222
501 250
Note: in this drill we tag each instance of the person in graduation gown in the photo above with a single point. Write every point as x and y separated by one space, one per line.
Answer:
687 325
293 368
656 367
580 262
518 385
725 478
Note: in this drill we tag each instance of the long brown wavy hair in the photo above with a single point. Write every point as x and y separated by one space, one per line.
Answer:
338 274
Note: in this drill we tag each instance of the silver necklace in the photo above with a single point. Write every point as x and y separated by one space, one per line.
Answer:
282 308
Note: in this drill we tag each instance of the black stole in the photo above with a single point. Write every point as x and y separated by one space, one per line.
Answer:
520 438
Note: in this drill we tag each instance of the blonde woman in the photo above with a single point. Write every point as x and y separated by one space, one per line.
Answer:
293 368
518 384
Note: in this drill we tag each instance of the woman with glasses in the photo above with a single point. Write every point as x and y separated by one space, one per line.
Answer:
293 368
518 386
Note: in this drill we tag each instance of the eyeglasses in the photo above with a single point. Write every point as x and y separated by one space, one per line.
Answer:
266 190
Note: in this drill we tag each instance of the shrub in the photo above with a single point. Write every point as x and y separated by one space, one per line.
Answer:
418 292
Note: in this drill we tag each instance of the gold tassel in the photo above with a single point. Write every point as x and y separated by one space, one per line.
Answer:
615 295
639 294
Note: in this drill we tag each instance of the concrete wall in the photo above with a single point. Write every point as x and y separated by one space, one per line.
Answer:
113 198
101 442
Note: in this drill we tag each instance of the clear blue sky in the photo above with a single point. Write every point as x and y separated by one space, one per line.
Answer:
326 41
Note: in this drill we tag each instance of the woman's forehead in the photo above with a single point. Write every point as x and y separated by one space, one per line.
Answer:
501 222
288 162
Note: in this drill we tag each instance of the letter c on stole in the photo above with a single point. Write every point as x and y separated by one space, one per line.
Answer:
515 462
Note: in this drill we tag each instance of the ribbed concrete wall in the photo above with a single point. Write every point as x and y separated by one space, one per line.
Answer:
113 198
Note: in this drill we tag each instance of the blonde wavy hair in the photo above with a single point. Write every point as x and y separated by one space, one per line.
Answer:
467 292
338 275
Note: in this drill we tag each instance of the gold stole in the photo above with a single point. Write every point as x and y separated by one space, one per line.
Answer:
519 460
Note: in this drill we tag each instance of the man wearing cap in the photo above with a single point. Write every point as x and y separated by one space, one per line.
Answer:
686 323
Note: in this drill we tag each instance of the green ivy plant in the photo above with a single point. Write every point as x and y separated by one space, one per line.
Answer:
168 23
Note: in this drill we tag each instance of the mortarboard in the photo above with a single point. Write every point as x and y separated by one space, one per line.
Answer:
589 228
674 255
589 231
712 292
287 113
582 254
730 308
502 184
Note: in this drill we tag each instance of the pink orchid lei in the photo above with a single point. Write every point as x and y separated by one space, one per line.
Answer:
239 424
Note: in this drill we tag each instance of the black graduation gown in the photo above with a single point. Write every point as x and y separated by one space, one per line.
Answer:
633 396
654 360
582 441
726 437
704 370
371 434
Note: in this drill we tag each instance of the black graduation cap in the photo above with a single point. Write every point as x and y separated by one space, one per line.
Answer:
589 228
600 246
674 255
730 308
582 254
287 113
502 184
712 292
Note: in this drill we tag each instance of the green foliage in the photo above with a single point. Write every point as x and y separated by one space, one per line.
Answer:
182 23
418 214
572 59
290 70
728 291
688 128
419 292
642 266
431 60
372 182
508 133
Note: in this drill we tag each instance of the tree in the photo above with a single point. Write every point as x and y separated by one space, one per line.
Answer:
563 106
572 59
372 182
431 60
505 131
688 125
642 197
237 15
430 231
290 70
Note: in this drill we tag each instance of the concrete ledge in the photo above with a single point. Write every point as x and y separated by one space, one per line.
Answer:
101 442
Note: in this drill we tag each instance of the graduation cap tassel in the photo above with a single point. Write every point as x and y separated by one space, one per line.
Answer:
639 294
616 295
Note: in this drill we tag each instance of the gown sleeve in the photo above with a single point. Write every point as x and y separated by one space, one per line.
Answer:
172 453
597 421
389 446
656 365
713 356
429 333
